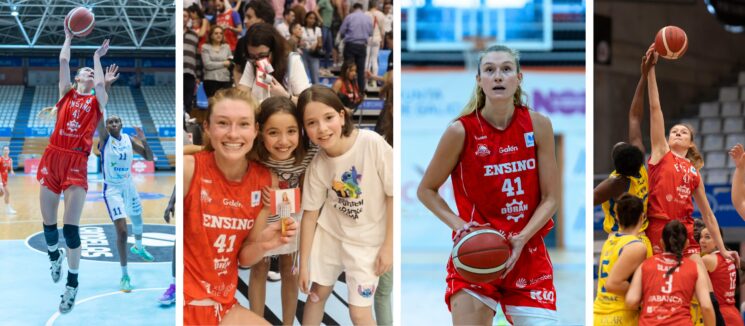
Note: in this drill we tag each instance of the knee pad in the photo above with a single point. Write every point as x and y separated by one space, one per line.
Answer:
72 235
51 235
136 224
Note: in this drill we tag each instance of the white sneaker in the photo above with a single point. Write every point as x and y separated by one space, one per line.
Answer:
273 276
10 210
68 299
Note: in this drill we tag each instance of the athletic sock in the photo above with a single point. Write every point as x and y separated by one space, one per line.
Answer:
138 243
53 252
72 278
124 271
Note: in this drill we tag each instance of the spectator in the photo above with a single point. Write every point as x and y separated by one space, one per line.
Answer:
289 76
373 45
191 40
356 29
230 21
216 57
312 46
284 25
257 11
296 37
346 86
326 11
300 11
199 25
388 26
279 8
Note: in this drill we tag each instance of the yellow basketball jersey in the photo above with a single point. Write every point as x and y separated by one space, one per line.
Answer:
638 187
607 303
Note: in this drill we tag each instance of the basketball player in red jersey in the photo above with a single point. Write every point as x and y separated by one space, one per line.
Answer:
224 217
6 166
666 282
723 275
501 158
674 177
63 167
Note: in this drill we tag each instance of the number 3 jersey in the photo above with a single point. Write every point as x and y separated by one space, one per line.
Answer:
219 214
496 179
667 300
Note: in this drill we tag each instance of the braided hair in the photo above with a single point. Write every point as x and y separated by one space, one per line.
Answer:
674 236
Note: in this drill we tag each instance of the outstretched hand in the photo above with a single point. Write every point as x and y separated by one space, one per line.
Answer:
112 74
103 49
648 60
737 153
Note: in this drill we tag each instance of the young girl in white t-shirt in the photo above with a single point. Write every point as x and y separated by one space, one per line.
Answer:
351 178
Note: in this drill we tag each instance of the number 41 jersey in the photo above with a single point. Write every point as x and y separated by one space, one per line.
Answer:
218 216
496 179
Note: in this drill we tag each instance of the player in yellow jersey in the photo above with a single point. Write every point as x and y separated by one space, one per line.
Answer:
622 253
630 174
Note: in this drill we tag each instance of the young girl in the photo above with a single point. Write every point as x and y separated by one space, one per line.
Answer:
225 220
280 149
497 129
666 282
346 86
723 275
622 253
352 179
675 177
63 167
6 166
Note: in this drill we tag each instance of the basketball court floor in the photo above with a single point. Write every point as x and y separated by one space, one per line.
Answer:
31 298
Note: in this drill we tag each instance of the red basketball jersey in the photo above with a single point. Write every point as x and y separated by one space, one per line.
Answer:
672 183
5 165
77 118
226 18
496 179
724 280
219 215
667 300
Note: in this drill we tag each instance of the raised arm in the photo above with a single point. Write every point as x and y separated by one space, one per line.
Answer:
699 196
103 134
144 149
636 112
737 154
609 188
656 119
64 64
442 164
549 183
99 81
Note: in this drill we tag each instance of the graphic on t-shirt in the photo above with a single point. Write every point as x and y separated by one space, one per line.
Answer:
348 187
366 291
349 193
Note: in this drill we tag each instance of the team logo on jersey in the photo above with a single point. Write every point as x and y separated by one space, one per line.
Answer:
73 126
44 170
533 250
482 150
221 265
669 197
683 191
693 170
366 291
515 207
509 167
232 202
205 196
508 149
255 198
479 138
529 141
207 181
521 283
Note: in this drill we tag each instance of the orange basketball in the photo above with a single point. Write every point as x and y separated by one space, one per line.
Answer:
671 42
80 21
480 255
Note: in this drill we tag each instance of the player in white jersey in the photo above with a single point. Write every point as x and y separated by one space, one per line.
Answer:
120 194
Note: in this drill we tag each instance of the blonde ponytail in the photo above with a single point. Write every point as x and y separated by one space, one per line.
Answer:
693 154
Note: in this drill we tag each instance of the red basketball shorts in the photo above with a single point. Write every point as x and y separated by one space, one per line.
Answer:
61 168
529 284
206 312
654 233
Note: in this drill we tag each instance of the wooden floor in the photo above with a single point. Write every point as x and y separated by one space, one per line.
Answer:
155 190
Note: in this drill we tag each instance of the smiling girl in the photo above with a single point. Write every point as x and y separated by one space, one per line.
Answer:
352 179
